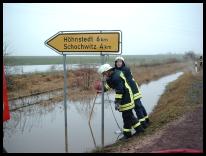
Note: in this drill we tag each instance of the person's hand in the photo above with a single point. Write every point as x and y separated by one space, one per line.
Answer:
99 91
117 105
98 86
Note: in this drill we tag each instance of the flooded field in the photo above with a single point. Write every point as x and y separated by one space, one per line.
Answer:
25 69
39 128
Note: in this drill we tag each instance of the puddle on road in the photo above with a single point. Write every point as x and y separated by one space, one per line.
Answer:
34 129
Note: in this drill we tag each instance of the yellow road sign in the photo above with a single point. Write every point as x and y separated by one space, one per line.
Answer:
85 42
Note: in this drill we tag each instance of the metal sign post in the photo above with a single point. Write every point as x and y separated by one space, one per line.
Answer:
102 62
65 101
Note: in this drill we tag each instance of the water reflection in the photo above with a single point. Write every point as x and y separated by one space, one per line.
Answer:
30 100
93 138
84 107
24 119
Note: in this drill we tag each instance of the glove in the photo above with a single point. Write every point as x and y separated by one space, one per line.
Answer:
117 105
99 91
98 86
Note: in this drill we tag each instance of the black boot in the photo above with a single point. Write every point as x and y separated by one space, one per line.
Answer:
138 130
147 121
126 136
144 124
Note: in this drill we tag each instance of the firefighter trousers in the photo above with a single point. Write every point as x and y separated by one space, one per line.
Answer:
141 112
130 121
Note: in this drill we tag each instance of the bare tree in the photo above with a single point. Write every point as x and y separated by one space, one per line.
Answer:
7 52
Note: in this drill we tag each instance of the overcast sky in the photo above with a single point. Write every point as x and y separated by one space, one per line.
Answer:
152 28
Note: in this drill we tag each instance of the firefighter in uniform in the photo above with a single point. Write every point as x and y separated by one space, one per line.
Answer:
139 108
196 66
200 62
124 102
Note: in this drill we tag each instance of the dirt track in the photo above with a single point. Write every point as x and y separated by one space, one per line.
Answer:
187 132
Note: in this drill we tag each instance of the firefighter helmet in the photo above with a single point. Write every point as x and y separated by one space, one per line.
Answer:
119 58
104 68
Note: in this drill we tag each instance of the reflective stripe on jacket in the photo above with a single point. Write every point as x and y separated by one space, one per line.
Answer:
117 81
132 83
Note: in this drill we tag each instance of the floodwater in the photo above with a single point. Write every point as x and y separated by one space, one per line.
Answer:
152 91
30 100
25 69
37 128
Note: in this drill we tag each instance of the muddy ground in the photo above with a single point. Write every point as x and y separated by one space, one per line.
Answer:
186 132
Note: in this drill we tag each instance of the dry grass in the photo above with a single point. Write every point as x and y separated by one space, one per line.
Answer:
145 74
81 81
173 103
